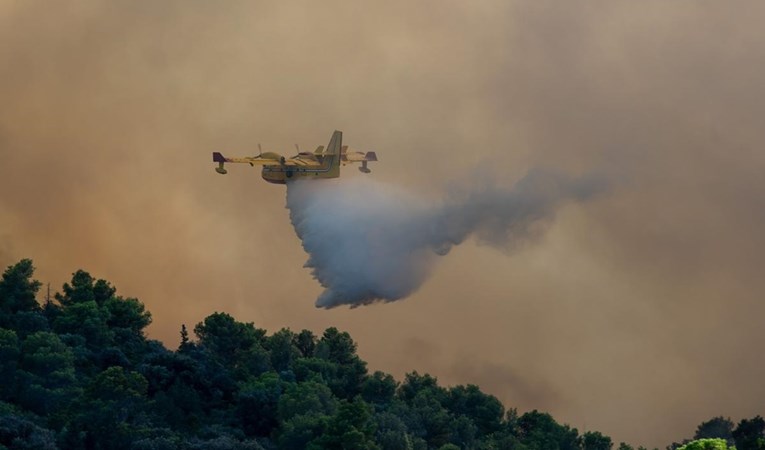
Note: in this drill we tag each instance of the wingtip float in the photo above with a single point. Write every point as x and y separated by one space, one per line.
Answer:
305 165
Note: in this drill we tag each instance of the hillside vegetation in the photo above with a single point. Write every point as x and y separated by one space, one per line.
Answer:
78 372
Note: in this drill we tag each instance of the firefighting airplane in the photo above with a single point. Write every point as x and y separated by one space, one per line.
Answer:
305 165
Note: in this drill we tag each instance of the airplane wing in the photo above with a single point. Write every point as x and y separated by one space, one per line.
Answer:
269 159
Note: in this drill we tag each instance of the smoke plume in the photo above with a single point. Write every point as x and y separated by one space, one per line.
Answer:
370 242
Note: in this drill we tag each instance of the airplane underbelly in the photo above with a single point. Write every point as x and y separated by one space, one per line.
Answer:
279 175
274 177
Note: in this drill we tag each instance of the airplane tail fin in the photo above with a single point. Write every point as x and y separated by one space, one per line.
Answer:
335 143
333 154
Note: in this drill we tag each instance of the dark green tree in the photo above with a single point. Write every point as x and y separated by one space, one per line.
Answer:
17 288
392 433
379 389
226 338
79 291
185 344
414 383
282 349
257 404
306 398
426 417
594 440
540 431
85 319
716 427
486 411
19 309
750 434
10 351
338 347
111 410
17 432
305 341
301 431
351 428
126 314
47 379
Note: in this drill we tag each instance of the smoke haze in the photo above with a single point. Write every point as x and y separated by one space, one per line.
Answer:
369 242
638 313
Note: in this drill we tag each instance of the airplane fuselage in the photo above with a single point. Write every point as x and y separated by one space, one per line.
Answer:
279 174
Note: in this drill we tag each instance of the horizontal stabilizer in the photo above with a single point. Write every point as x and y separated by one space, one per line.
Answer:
358 156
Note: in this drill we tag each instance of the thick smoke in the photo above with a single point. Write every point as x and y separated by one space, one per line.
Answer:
370 242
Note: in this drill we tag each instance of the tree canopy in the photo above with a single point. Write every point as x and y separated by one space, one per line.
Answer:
79 372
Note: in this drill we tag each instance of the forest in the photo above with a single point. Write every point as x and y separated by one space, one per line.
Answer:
77 371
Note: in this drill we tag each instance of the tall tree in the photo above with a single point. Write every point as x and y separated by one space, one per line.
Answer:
339 348
282 349
79 291
225 337
716 427
305 341
47 375
750 434
19 309
540 431
485 410
594 440
379 389
18 289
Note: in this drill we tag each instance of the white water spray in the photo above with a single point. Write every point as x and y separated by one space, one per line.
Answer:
370 242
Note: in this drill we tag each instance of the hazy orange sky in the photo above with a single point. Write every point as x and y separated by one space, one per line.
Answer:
638 314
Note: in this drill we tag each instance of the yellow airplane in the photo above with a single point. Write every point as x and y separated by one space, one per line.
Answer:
305 165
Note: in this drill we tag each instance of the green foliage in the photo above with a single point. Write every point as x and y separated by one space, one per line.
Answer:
80 291
85 319
283 350
80 373
10 350
351 428
750 434
540 431
46 376
18 289
257 404
126 313
717 427
379 389
306 398
706 444
305 341
486 411
228 340
19 310
594 440
17 432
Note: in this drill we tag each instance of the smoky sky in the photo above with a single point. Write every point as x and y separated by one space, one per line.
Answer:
636 313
